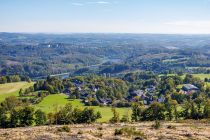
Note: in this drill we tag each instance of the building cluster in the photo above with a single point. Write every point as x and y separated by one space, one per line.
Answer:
148 95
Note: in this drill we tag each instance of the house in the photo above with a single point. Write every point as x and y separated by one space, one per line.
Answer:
138 93
145 102
148 98
77 82
67 91
161 99
94 88
150 89
84 94
79 88
105 101
189 88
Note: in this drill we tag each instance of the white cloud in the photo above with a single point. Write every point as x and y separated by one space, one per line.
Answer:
99 2
77 4
94 3
102 2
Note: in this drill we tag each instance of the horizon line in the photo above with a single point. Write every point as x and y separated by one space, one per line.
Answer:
67 33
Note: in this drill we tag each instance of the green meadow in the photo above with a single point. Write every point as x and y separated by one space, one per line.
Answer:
12 89
53 102
201 76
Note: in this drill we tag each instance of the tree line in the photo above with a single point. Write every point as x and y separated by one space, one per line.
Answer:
13 78
15 113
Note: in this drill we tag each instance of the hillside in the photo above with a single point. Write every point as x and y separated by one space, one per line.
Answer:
12 89
175 131
39 55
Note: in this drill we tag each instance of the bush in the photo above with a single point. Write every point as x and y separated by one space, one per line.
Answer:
116 116
156 125
118 132
128 131
40 117
100 128
100 135
80 132
171 127
64 129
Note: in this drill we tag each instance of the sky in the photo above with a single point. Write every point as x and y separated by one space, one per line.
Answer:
105 16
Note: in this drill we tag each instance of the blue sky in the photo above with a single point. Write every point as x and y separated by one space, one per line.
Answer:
109 16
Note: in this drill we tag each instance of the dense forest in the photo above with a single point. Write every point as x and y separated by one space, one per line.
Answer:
37 55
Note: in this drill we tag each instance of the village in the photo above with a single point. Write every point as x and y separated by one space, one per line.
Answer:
147 95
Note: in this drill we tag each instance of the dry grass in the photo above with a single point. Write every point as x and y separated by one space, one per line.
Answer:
176 131
12 87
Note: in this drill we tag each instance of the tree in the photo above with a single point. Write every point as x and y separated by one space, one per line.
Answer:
206 111
26 116
199 103
206 80
21 92
186 110
10 103
40 117
3 80
167 85
64 115
154 112
51 118
88 115
136 112
174 104
169 109
3 118
194 112
14 118
116 116
125 117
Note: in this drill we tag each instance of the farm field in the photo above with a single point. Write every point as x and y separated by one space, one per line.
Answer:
12 89
51 102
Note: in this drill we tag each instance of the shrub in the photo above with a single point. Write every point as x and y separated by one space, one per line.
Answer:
156 125
118 132
100 135
80 132
64 129
138 138
171 127
100 128
128 131
116 116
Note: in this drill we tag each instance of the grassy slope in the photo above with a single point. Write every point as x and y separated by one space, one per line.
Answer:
50 102
12 89
202 76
